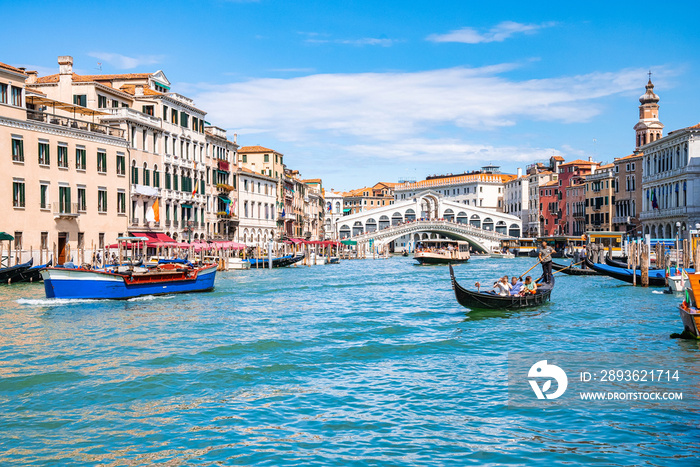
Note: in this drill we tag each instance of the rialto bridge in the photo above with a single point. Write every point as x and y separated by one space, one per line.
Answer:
426 216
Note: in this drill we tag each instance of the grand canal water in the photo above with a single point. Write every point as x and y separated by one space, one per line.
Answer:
363 363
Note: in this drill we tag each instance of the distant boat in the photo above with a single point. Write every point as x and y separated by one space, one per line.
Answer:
32 274
574 271
281 262
442 252
170 276
8 275
476 299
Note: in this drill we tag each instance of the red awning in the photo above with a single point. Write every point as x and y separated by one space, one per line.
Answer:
153 236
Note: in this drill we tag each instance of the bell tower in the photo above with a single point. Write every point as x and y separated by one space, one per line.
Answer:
649 128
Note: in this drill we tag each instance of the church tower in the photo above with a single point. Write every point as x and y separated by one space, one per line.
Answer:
649 128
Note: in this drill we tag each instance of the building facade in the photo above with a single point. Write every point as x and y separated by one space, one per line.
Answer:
628 194
515 195
600 198
257 212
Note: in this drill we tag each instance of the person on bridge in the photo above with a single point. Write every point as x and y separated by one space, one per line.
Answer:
545 255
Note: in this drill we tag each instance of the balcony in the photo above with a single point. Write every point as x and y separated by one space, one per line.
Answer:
144 190
68 122
134 221
65 210
175 225
131 114
621 220
167 223
224 188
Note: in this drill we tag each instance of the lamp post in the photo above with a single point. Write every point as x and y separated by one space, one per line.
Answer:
678 228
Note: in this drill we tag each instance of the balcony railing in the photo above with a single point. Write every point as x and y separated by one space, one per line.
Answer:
65 210
69 122
125 112
175 224
167 223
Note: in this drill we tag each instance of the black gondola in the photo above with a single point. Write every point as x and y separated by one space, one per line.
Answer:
471 299
574 271
657 277
7 275
276 262
611 262
32 274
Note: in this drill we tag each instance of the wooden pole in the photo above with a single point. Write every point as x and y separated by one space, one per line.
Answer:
633 258
645 265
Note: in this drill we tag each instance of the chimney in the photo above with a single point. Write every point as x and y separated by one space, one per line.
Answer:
138 90
31 77
65 63
590 158
235 138
520 172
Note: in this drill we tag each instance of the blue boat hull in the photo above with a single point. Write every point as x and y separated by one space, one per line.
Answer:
84 284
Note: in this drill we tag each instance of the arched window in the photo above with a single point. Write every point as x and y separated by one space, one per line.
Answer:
337 206
514 230
344 231
410 215
134 173
370 225
475 221
501 227
146 174
396 218
488 224
156 177
462 217
384 222
449 215
357 228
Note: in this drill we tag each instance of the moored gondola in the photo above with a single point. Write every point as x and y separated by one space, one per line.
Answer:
280 262
657 277
574 271
8 275
32 274
486 300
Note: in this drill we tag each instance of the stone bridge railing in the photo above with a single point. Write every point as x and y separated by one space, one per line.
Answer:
443 226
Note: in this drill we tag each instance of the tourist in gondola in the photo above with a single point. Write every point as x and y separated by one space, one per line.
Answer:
545 255
516 285
502 287
529 287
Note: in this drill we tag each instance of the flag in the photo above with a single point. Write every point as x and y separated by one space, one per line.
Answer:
228 209
150 214
156 211
654 200
196 186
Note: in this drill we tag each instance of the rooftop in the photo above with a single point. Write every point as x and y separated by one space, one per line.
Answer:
254 149
7 67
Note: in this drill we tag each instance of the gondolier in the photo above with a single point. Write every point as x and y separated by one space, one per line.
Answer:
545 255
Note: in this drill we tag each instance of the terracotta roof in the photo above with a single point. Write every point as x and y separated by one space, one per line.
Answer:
579 162
247 170
606 166
558 158
631 156
553 182
131 89
5 66
254 149
90 78
312 180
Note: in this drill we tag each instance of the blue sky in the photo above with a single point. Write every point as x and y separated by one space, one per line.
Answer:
357 92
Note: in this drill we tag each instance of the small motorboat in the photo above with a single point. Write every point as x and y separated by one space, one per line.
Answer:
9 275
442 252
168 277
488 300
496 253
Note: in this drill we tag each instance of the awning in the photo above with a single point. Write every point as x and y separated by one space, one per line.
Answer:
186 206
347 210
153 236
348 242
6 236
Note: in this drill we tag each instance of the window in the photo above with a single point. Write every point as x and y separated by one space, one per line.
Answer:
173 116
44 196
149 110
80 99
184 119
17 149
121 164
3 93
115 103
165 113
156 177
146 175
44 240
175 181
121 202
101 102
80 158
195 124
64 199
245 185
101 161
17 96
82 199
101 240
18 194
167 179
62 154
244 158
44 157
102 200
267 158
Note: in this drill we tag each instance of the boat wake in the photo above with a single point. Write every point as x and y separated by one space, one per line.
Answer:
74 301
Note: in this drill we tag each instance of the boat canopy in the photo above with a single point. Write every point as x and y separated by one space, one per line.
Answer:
6 236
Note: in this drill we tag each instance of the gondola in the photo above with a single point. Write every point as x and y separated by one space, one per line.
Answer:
8 275
485 300
280 262
657 277
32 274
574 271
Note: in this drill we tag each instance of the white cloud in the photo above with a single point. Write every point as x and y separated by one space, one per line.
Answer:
122 62
498 33
371 41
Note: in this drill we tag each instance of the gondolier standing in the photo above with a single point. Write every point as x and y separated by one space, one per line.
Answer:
545 255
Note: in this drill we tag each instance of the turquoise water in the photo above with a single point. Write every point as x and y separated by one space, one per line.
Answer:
362 363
